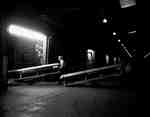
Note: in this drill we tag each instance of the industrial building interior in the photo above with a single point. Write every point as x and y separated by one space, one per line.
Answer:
68 62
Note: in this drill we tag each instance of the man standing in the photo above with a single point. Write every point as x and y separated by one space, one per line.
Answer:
61 62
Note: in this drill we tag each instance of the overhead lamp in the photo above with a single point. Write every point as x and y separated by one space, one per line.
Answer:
105 20
114 33
119 40
21 31
127 3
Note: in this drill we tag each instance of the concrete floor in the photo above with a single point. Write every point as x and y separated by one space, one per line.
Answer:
41 100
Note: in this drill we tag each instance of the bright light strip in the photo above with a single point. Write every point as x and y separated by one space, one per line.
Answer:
127 3
147 55
132 32
26 33
126 50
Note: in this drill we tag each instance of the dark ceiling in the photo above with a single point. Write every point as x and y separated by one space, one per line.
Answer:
78 25
58 15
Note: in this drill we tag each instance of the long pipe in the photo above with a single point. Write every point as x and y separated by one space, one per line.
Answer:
33 68
89 71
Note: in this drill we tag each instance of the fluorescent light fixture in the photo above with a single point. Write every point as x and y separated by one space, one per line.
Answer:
126 50
132 32
127 3
26 33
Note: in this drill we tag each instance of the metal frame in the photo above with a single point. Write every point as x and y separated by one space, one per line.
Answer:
86 73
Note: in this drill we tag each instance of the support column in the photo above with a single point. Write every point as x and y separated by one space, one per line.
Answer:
4 58
4 80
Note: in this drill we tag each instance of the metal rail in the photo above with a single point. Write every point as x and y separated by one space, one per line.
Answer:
32 69
88 71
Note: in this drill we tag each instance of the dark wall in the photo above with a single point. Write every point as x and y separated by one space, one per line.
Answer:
21 53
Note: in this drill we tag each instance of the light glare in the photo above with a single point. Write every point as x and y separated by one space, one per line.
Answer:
114 33
119 40
104 20
127 3
26 33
